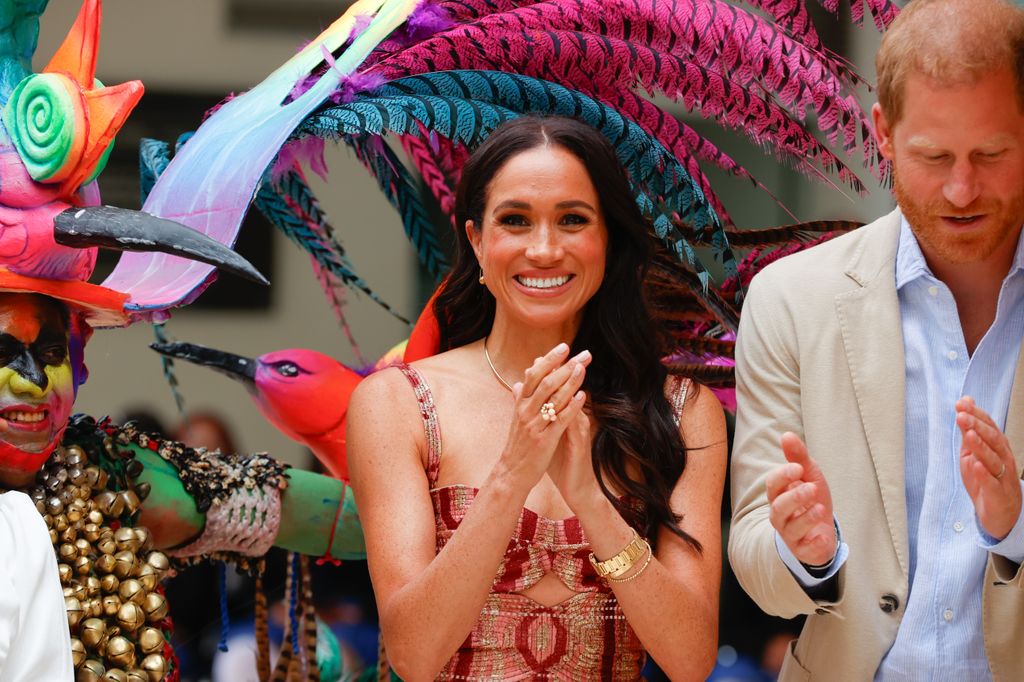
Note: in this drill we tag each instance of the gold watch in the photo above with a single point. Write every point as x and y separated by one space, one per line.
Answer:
619 564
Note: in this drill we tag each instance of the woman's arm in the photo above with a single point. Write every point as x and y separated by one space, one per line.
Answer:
673 604
428 601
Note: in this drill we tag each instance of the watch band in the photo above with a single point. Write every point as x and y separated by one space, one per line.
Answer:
619 564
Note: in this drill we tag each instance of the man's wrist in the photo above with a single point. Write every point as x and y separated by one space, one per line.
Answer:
820 570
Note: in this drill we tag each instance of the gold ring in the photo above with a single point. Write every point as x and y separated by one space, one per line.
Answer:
547 412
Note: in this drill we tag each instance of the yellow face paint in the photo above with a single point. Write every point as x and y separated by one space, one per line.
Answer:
36 383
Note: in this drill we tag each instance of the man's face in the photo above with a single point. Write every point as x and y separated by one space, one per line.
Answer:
36 387
958 156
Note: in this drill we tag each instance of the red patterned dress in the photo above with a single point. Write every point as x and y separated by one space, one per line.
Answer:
585 637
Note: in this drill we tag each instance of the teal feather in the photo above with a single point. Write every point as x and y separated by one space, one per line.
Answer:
277 200
466 105
401 191
154 155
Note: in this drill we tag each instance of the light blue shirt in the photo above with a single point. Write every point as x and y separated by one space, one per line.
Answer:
940 636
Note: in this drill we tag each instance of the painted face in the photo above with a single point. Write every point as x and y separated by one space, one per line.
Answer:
958 155
36 387
543 241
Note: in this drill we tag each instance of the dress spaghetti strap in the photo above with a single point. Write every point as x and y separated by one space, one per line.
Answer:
431 428
677 396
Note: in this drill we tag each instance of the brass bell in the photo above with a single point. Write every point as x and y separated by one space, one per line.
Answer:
69 535
130 500
138 675
144 537
91 671
110 503
60 522
155 606
92 632
106 545
75 455
83 565
77 651
115 675
159 561
54 506
109 583
132 590
111 605
126 539
82 545
53 536
130 616
151 640
74 609
121 652
105 563
95 516
134 468
148 577
92 586
155 666
95 607
91 532
67 553
124 564
65 572
143 489
74 515
103 479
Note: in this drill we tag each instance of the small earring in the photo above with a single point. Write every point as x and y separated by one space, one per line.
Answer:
481 275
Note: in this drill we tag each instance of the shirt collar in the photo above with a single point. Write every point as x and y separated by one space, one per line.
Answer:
910 262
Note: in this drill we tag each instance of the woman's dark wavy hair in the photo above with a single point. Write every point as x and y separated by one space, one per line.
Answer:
636 431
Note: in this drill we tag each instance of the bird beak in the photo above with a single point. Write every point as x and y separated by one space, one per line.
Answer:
127 230
237 367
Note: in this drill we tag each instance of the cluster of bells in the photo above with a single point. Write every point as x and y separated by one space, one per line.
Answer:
109 572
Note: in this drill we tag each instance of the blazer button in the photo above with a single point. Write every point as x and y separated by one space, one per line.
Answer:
889 603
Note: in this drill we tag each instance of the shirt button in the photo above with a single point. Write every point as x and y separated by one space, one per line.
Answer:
948 615
951 355
958 527
933 290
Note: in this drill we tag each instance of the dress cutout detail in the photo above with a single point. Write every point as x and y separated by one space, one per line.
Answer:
585 637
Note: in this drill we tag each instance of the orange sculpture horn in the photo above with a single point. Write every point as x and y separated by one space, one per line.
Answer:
77 54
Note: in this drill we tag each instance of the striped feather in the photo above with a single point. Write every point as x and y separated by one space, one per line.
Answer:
401 191
154 156
662 184
605 67
285 205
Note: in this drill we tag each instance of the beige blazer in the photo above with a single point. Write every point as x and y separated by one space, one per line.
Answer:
820 353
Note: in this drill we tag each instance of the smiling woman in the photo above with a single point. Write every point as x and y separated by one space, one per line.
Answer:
578 540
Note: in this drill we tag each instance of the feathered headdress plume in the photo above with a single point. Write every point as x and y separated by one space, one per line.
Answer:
438 75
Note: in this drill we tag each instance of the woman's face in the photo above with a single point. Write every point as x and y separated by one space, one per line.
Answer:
543 240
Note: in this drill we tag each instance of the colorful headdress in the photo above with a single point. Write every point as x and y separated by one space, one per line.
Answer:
58 128
439 75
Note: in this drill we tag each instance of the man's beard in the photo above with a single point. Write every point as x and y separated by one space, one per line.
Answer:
1003 219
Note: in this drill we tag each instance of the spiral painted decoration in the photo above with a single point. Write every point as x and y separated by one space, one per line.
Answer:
45 117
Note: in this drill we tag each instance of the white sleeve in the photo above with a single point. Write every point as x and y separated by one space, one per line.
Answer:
35 643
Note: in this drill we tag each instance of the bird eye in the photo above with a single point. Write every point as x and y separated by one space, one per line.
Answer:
287 369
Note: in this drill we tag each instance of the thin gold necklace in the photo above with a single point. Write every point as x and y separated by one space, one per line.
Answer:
490 364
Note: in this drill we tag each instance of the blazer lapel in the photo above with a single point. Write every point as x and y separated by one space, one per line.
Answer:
869 319
1015 416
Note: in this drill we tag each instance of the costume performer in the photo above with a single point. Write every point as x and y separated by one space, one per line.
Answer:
879 437
111 497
